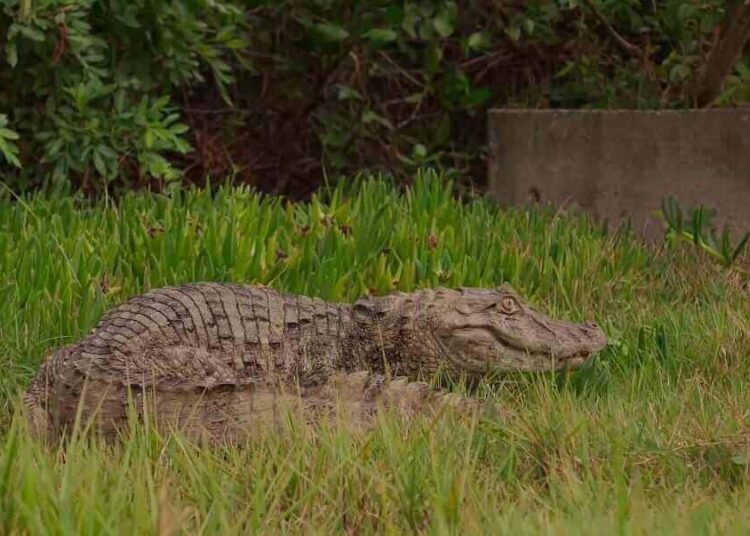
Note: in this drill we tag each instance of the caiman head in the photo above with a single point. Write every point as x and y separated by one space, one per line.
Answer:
475 331
493 330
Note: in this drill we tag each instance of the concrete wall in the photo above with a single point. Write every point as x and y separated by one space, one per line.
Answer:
621 164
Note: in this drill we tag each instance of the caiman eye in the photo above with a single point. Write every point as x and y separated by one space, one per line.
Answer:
508 305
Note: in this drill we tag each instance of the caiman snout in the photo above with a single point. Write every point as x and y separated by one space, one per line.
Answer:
578 343
559 343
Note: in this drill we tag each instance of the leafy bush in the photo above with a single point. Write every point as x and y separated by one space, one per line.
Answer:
397 86
88 84
279 93
8 149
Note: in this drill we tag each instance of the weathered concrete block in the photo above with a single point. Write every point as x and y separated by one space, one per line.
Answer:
621 164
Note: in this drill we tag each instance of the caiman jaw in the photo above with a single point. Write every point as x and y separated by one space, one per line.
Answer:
521 361
485 349
572 362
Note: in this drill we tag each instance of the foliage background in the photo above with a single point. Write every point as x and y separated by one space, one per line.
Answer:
286 94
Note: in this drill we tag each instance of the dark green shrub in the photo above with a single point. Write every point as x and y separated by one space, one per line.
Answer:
390 86
88 84
100 91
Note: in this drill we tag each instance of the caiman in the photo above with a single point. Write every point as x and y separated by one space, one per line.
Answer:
218 357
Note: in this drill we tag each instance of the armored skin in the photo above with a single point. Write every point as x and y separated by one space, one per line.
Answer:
219 357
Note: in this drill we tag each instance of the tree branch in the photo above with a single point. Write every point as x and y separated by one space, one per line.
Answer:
734 34
624 43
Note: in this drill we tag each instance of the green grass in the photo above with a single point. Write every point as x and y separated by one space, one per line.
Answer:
651 439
